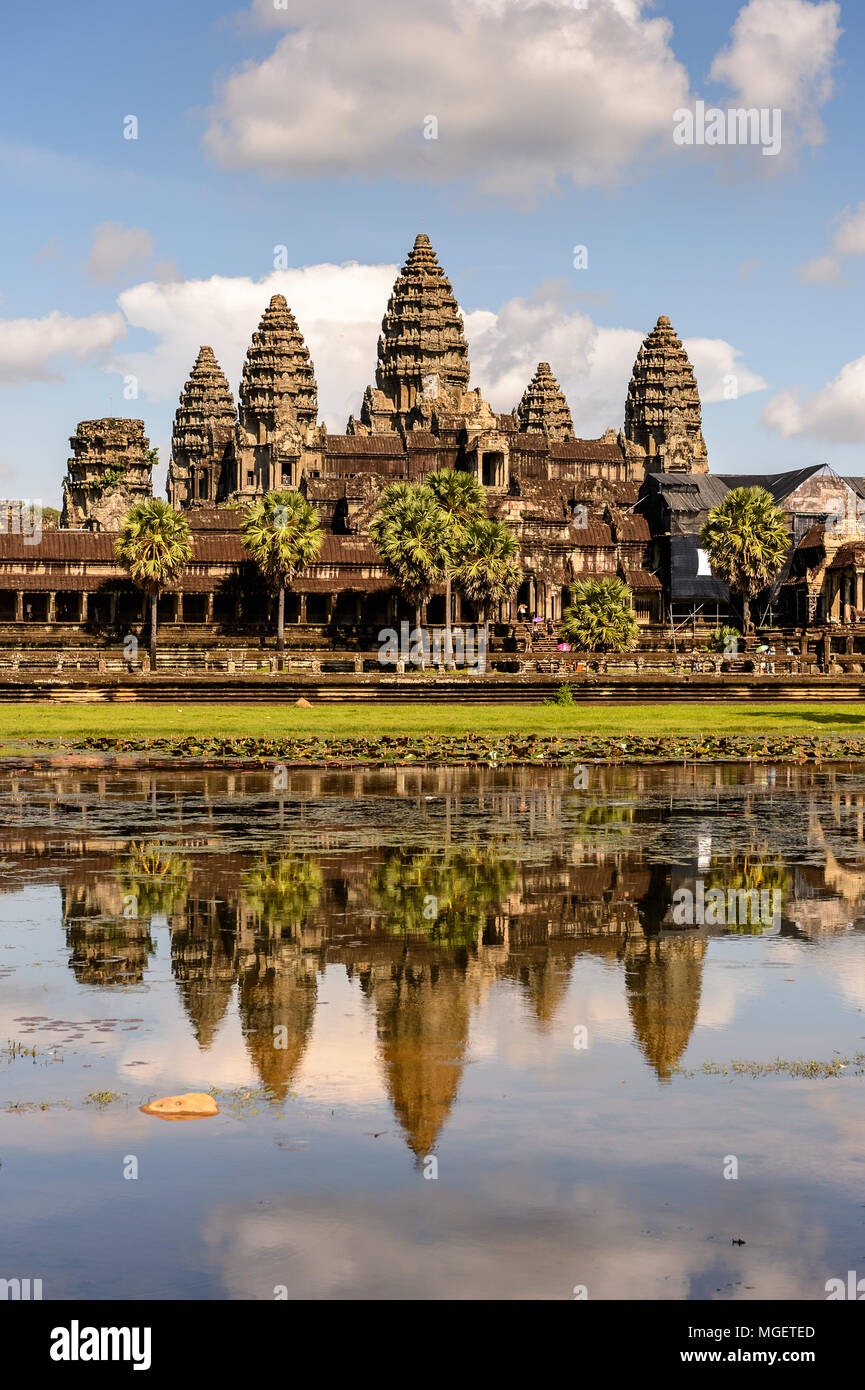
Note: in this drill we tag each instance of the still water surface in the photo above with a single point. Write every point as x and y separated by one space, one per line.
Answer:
382 973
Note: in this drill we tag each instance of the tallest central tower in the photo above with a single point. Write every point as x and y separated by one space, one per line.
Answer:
423 358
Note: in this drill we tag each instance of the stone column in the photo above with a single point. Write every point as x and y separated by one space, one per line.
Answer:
82 606
52 607
19 607
303 608
208 607
178 607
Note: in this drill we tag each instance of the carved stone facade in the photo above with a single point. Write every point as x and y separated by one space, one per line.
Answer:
110 469
663 418
543 408
419 416
202 449
570 501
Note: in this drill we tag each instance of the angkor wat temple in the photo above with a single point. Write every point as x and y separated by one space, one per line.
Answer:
630 503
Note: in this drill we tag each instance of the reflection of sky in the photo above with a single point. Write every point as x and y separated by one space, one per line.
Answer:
556 1166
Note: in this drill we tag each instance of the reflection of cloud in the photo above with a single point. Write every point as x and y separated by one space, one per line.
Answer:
500 1241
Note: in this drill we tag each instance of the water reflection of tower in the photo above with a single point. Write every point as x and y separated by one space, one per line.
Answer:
105 947
663 979
423 1003
278 995
203 964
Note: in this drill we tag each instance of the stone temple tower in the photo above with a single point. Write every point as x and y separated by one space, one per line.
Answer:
663 418
423 360
543 408
278 405
203 440
110 469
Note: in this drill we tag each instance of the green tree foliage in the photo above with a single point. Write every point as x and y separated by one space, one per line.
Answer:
282 533
154 546
600 618
445 895
463 503
283 889
488 570
412 535
746 540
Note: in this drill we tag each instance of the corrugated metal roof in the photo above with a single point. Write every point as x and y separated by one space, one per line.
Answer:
694 492
780 485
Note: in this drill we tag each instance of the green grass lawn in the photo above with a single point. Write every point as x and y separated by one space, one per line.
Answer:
47 721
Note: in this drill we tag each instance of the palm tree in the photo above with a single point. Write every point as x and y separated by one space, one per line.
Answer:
154 547
413 538
600 619
282 533
746 540
488 570
463 501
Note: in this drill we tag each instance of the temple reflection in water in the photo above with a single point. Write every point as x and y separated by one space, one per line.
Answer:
429 888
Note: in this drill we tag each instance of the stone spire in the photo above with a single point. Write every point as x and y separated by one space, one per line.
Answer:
662 412
203 434
423 361
278 376
278 405
543 408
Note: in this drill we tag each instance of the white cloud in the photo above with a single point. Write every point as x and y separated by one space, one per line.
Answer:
339 311
720 374
835 414
29 347
848 240
782 54
117 250
526 92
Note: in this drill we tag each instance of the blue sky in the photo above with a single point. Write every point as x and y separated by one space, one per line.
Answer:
303 127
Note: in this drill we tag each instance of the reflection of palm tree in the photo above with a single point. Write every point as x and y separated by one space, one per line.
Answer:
157 878
605 817
283 889
745 873
445 897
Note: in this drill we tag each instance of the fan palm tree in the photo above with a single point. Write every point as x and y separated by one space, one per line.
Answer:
154 547
746 540
412 536
282 533
600 619
488 571
463 502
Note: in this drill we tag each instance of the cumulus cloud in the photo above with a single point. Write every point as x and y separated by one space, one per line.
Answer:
847 241
117 250
520 94
29 348
339 311
835 414
782 54
338 308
